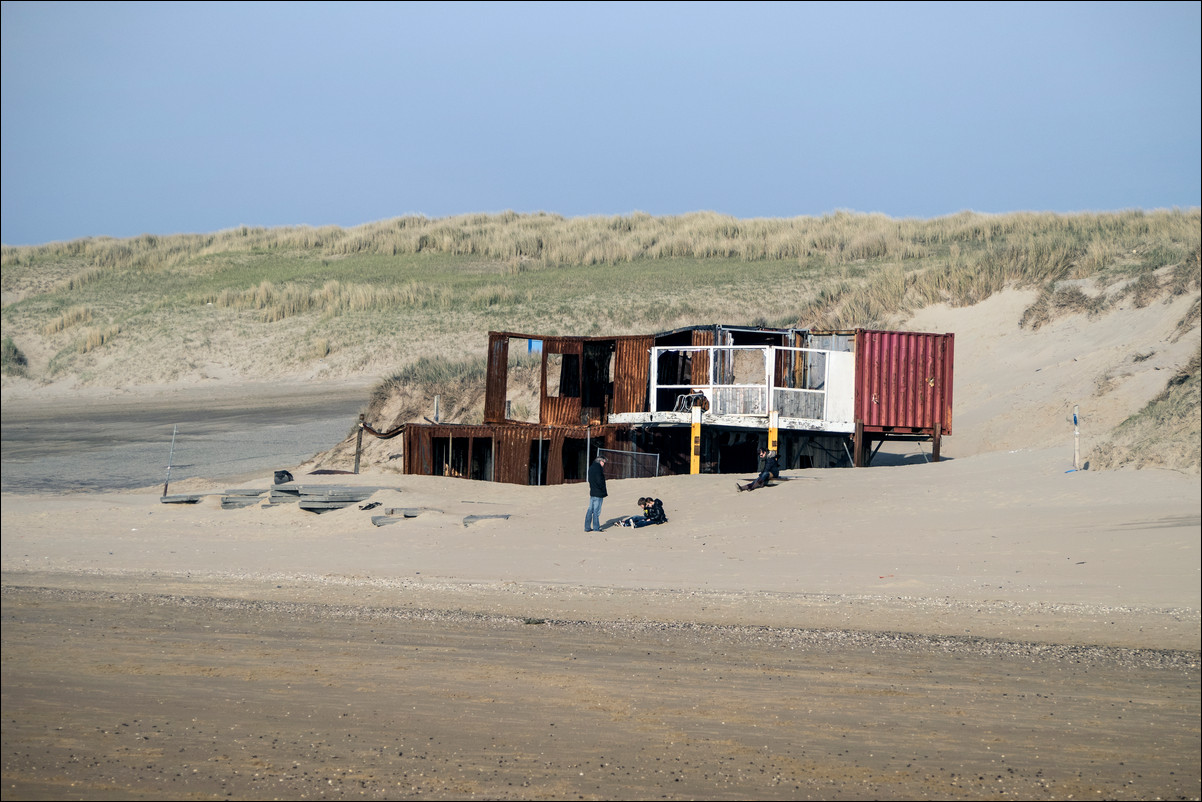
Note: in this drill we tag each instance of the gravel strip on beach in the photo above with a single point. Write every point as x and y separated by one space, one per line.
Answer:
729 635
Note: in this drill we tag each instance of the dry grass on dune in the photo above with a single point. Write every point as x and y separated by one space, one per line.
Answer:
1164 434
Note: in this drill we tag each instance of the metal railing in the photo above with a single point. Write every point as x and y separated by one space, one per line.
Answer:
629 464
740 384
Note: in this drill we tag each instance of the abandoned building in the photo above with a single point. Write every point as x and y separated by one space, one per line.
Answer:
700 399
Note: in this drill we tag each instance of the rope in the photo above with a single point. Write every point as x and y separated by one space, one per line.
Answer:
382 435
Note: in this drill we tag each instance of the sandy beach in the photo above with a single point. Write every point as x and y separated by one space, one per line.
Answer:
996 624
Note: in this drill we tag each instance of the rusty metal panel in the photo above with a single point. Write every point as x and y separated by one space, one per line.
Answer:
786 370
497 379
511 460
562 410
632 368
904 381
703 337
949 361
418 457
554 455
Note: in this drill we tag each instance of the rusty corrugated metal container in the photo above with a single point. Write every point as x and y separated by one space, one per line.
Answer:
904 381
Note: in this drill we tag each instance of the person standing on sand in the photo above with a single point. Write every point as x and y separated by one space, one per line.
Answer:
596 494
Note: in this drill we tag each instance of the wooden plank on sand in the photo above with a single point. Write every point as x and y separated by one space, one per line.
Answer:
182 498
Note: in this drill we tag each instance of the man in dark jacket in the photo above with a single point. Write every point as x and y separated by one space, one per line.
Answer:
771 470
596 494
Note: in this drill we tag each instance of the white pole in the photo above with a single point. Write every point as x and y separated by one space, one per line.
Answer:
1076 439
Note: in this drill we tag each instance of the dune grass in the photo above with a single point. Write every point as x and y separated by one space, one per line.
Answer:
1165 433
437 280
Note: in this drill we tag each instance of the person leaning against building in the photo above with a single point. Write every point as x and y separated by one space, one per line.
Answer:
596 494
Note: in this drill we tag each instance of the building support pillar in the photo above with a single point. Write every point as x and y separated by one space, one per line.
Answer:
695 456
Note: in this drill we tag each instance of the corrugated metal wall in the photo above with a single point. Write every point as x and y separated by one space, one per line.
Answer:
904 381
497 378
510 446
511 459
632 370
560 410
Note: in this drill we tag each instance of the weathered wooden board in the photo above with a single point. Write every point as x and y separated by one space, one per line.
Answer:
471 519
314 498
182 498
323 505
238 502
408 512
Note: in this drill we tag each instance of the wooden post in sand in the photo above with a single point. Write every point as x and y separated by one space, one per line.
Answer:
170 458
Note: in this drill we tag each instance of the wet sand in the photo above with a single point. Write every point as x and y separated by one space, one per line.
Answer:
108 443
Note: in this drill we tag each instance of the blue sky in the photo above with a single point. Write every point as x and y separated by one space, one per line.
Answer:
127 118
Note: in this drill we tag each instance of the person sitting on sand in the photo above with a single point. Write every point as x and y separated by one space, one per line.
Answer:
653 513
771 470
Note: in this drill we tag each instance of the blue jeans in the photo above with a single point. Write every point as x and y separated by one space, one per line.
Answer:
592 518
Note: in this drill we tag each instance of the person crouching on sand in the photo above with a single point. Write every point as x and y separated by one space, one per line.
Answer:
653 513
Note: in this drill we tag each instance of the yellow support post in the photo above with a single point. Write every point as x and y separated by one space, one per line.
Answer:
772 427
695 457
